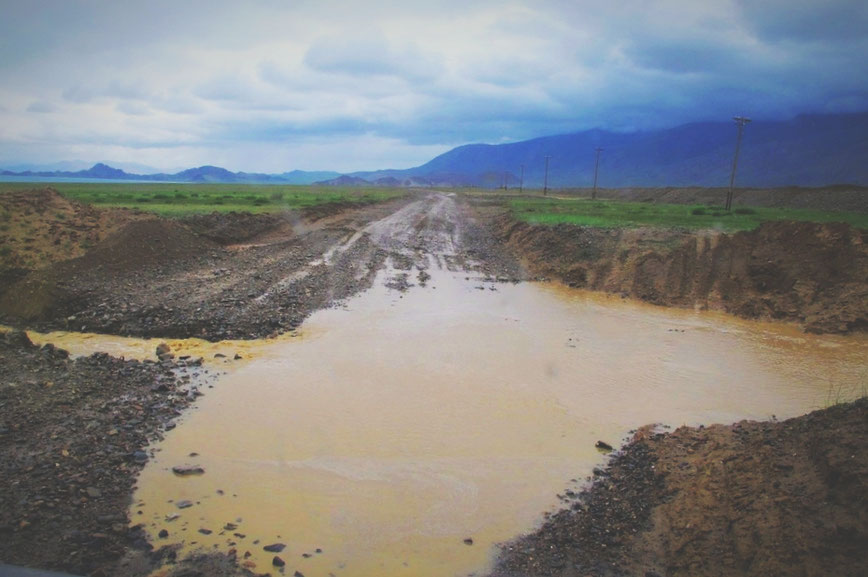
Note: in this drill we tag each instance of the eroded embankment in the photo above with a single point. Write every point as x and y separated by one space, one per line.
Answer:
753 498
813 274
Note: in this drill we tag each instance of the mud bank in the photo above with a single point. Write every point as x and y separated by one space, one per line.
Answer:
753 498
812 274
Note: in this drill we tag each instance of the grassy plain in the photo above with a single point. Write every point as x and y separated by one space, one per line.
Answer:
170 199
623 214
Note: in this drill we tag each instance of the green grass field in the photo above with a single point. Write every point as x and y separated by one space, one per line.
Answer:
620 214
181 199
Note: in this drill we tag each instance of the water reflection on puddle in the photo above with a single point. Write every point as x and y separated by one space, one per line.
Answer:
397 427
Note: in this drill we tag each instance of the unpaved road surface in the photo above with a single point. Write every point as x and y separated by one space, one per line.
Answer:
747 499
207 279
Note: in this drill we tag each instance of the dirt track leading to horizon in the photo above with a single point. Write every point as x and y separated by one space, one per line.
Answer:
158 277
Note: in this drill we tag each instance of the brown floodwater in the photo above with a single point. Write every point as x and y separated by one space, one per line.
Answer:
390 430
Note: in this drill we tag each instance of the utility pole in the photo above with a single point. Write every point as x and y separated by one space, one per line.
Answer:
596 166
741 121
546 177
521 181
506 180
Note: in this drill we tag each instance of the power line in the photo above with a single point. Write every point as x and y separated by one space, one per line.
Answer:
741 121
596 166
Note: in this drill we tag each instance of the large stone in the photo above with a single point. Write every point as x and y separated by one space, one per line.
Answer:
187 470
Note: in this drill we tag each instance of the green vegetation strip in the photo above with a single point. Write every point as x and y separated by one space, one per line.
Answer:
182 199
619 214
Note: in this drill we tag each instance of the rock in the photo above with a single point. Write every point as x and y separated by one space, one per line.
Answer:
230 527
93 492
184 504
604 446
205 531
19 338
468 541
298 574
278 562
275 547
187 470
140 456
163 534
164 352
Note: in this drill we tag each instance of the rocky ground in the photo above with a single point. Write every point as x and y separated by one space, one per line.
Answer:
74 434
753 498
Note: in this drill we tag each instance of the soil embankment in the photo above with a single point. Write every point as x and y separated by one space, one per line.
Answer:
753 498
813 274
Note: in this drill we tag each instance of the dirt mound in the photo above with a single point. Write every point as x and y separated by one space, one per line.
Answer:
140 246
233 227
747 499
814 274
39 227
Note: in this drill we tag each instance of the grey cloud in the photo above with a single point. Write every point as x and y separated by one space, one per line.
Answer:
41 107
133 108
369 53
79 94
806 20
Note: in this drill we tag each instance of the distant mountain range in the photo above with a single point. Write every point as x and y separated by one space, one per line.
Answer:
810 150
213 174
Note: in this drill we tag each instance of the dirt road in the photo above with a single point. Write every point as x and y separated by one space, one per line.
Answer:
163 278
72 433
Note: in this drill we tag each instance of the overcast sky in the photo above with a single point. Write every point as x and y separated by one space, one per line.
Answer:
349 85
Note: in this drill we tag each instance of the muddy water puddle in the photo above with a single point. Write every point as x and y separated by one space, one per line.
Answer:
398 428
408 433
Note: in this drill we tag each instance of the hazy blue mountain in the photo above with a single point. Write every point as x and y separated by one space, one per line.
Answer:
809 150
202 174
345 180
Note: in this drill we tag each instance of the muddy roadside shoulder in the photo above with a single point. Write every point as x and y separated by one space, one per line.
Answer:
74 434
752 498
807 273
